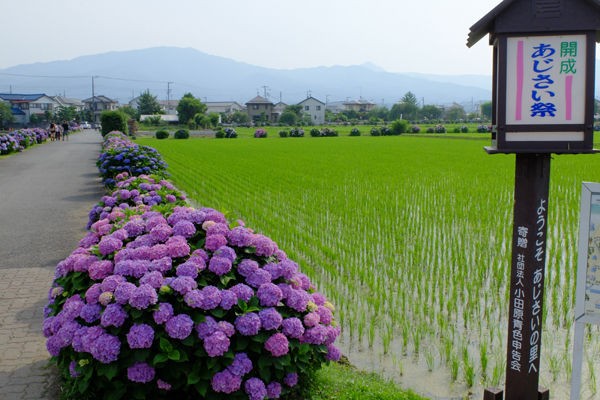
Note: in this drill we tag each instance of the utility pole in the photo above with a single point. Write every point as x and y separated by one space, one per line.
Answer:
266 96
93 101
168 97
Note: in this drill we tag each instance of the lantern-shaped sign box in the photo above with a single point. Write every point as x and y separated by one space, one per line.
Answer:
543 74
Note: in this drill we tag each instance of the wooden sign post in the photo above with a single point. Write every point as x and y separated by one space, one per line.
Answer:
543 103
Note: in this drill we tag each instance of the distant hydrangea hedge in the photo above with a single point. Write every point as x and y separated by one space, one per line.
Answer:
122 155
19 140
167 301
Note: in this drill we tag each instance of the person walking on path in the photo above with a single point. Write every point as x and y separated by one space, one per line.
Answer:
42 219
65 126
52 131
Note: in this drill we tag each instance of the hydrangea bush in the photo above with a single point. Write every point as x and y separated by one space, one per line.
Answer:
260 133
122 155
162 301
19 140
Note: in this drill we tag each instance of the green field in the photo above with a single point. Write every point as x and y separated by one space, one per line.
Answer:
409 237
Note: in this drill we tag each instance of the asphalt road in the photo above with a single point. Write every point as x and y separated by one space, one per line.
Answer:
46 193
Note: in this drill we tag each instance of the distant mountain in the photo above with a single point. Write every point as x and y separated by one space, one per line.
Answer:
125 74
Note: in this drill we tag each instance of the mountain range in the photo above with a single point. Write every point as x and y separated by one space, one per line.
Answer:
169 72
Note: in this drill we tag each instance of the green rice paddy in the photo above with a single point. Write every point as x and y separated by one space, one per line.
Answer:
410 239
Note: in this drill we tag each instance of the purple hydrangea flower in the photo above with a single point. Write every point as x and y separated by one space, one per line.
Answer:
109 245
273 390
140 372
163 264
292 328
315 335
194 298
228 299
269 294
211 297
219 265
216 344
163 313
213 242
275 270
123 292
311 319
248 324
162 385
225 382
216 228
242 291
258 277
277 345
297 299
143 296
110 283
179 326
325 314
113 315
105 348
291 379
183 284
226 252
100 269
333 353
227 328
153 278
93 293
247 267
241 365
264 246
184 228
188 269
255 389
73 369
140 336
206 328
160 233
177 247
90 312
240 236
270 318
135 227
289 268
318 299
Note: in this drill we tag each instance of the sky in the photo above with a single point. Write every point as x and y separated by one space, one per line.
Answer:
426 36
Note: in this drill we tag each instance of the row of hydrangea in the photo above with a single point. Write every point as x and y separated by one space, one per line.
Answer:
19 140
161 300
122 155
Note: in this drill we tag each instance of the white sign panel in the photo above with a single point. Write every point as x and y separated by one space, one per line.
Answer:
546 81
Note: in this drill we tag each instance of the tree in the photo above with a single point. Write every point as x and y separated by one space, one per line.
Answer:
406 108
148 104
188 107
66 113
6 116
455 112
288 118
486 110
431 112
131 112
113 121
378 113
239 117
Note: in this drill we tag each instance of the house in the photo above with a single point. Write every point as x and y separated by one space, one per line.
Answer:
278 109
360 105
26 106
68 102
315 108
260 109
223 107
98 104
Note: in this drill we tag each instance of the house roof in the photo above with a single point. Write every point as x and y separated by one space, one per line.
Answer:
67 101
311 98
358 102
517 16
259 100
20 97
222 104
17 111
99 99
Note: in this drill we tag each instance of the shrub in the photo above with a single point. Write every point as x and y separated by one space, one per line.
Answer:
167 301
329 132
314 132
464 129
182 134
220 134
283 133
121 155
162 134
484 128
399 127
375 131
296 132
440 129
260 133
385 131
415 129
230 133
430 129
113 121
355 132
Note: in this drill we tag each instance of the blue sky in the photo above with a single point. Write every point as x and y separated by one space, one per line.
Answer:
398 36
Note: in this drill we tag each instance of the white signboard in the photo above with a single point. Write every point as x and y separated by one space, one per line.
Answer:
545 84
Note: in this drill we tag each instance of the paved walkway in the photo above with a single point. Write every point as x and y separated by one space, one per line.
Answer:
46 193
